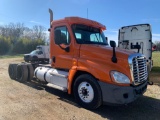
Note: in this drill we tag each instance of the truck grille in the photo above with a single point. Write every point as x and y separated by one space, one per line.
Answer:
138 64
139 69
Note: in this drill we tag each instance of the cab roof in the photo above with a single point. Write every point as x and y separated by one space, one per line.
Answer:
79 20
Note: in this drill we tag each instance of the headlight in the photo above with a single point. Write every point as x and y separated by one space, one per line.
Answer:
119 77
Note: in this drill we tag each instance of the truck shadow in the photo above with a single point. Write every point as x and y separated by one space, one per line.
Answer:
143 108
63 96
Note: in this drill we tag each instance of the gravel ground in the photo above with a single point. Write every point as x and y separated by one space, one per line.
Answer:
32 101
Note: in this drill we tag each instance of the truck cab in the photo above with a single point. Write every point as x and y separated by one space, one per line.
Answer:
83 64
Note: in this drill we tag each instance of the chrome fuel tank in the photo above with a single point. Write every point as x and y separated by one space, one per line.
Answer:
51 75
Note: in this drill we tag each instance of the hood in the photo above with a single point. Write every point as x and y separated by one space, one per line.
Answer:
26 54
97 60
29 54
104 51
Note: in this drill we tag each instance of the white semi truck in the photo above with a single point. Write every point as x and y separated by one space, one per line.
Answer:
41 54
137 38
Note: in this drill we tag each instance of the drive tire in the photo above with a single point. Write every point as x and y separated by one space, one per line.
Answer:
22 72
87 92
12 68
30 72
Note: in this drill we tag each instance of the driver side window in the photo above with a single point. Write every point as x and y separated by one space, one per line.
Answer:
61 35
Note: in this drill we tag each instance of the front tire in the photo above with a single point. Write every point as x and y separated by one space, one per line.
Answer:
87 92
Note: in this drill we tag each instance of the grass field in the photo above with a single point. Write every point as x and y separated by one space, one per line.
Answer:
156 61
155 73
11 56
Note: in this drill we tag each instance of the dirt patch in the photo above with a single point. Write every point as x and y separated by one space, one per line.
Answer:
37 102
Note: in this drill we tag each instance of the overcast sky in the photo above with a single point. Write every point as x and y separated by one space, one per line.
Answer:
112 13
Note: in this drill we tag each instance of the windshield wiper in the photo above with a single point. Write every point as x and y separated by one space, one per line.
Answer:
97 38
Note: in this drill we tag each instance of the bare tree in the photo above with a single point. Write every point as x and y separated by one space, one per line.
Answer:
39 32
12 30
28 33
18 30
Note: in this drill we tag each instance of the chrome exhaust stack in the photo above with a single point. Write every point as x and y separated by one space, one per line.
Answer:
51 18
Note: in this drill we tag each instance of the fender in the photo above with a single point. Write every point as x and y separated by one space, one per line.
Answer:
72 74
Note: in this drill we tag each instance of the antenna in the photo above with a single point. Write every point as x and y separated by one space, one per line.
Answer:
87 13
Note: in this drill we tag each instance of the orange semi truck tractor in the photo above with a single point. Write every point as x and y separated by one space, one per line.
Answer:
83 64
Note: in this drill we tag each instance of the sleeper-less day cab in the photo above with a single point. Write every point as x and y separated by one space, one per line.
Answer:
82 63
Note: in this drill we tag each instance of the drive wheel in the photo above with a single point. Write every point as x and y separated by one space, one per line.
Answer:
22 72
87 92
12 71
30 72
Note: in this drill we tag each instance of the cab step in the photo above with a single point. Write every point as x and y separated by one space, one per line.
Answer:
57 87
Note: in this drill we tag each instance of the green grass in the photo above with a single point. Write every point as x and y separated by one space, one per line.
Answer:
156 62
11 56
155 73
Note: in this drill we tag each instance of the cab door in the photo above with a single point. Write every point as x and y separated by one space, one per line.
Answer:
62 53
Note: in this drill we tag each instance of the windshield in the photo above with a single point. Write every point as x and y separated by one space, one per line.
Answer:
34 52
88 35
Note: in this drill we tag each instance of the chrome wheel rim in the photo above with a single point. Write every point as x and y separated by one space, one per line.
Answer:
85 92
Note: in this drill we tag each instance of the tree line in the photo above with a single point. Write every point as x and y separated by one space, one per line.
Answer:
157 45
16 38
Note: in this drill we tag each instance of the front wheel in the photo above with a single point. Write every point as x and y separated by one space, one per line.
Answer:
87 92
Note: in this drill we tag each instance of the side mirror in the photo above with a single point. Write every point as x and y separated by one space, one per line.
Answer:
114 58
112 43
64 47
